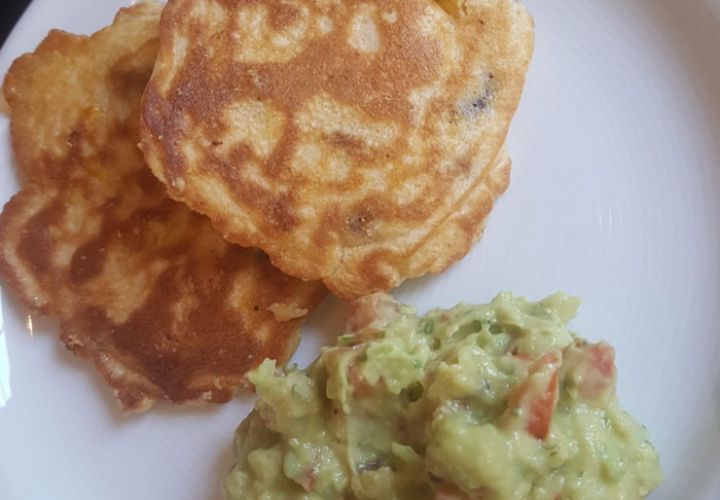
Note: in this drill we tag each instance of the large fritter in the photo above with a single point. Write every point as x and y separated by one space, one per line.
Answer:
143 286
354 142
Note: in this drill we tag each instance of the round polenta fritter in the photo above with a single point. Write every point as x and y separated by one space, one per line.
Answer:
359 143
142 286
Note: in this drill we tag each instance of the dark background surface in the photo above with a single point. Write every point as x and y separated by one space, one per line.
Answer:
10 11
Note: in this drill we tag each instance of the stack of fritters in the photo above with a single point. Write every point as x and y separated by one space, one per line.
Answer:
352 143
141 285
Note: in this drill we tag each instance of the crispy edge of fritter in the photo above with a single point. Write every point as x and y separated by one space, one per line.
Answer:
449 242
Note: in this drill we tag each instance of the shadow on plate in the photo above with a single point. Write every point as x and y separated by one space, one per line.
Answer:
223 463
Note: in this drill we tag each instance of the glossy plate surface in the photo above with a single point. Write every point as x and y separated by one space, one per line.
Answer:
615 197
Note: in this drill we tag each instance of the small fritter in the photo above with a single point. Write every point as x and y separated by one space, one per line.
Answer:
341 137
141 285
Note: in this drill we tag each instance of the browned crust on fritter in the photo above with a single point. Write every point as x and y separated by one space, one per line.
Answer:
455 236
144 287
338 226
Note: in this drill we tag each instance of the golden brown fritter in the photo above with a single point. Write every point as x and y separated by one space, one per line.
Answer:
143 286
341 137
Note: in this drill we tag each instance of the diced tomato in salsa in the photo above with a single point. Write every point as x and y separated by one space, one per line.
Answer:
592 366
372 311
360 387
537 395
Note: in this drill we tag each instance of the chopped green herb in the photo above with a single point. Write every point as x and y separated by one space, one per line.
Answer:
414 391
427 326
344 340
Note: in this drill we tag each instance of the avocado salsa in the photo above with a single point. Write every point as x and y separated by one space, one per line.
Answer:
497 401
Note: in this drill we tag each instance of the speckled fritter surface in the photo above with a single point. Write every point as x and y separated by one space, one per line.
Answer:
141 285
339 136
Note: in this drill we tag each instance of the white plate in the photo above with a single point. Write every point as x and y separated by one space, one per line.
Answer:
615 197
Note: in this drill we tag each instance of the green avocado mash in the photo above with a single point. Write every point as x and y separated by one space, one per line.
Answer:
499 401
